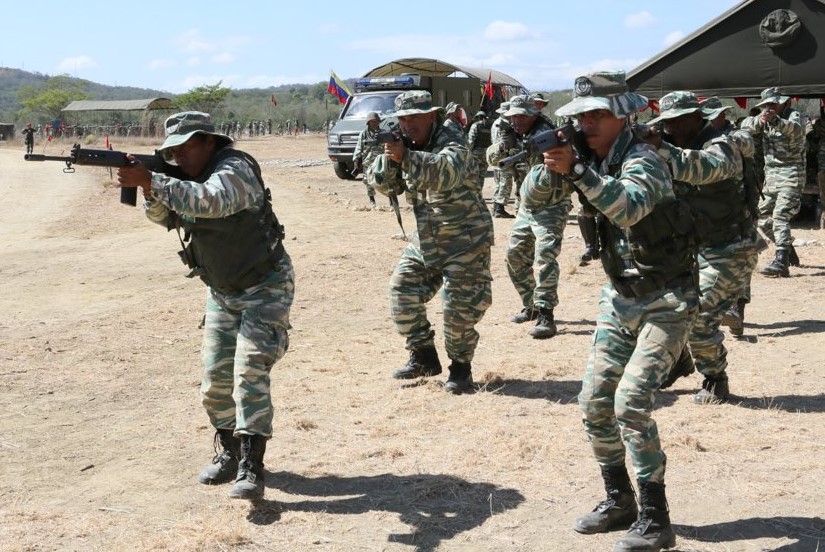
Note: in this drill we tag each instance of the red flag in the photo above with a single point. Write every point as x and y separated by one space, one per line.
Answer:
108 146
488 88
273 101
653 105
741 102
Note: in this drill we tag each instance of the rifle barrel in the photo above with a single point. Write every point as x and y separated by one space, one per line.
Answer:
41 157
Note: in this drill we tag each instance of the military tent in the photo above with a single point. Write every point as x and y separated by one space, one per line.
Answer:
754 45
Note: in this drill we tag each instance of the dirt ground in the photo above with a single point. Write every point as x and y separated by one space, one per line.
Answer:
102 433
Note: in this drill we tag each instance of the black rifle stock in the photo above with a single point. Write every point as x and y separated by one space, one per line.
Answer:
539 143
106 158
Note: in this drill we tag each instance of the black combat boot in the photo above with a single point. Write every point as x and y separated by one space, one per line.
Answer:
619 511
793 258
734 317
545 327
590 233
652 531
714 390
500 212
224 465
461 378
249 483
778 267
682 368
526 315
423 362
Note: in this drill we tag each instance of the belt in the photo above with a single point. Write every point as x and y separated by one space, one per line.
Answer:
636 286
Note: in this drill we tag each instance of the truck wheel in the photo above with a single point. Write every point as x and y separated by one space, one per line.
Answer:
342 170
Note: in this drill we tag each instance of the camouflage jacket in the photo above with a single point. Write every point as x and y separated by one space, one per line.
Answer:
440 181
366 153
229 189
716 161
783 140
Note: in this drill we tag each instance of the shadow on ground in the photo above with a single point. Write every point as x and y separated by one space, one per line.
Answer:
809 533
437 507
790 327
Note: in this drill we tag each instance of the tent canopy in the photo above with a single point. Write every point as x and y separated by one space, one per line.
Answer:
736 55
436 68
119 105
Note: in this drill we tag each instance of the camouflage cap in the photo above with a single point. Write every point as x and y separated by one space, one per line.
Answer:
180 127
772 95
414 102
503 107
604 90
521 105
480 115
538 97
712 107
677 104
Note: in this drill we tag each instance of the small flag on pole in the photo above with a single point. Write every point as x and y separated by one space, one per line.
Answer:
488 88
338 88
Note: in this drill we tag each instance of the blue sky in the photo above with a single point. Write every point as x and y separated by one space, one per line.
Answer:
176 45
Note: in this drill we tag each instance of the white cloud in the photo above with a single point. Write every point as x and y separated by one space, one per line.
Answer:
72 64
156 64
225 57
641 20
191 41
507 31
673 38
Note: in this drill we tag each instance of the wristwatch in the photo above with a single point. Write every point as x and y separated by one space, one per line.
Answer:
577 170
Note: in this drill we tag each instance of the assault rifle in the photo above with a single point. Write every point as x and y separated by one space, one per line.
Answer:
539 143
393 134
107 158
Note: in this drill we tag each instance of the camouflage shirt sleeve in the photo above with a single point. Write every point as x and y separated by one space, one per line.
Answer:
743 140
642 181
542 188
385 176
716 161
439 171
359 147
472 135
231 188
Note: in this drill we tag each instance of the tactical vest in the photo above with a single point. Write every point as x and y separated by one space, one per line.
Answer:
662 247
483 138
720 209
232 253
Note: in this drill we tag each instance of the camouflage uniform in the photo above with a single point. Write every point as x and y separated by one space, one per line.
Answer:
711 171
537 233
819 133
478 139
645 312
245 330
503 178
783 142
365 153
450 250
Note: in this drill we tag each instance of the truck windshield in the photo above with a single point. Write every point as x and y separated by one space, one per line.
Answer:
361 104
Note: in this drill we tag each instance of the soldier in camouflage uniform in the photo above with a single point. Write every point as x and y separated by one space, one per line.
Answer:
478 140
367 149
217 197
780 129
456 118
708 172
536 235
539 101
819 133
433 168
645 311
502 130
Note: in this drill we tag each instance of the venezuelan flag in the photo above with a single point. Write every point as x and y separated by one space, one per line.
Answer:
338 88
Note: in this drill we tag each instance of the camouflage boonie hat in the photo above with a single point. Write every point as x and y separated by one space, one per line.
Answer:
414 102
521 105
180 127
503 107
675 105
712 107
452 107
604 90
538 97
772 95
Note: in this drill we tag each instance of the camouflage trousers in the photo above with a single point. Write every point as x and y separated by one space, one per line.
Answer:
781 200
481 158
370 189
503 179
636 342
465 282
535 243
721 279
244 335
